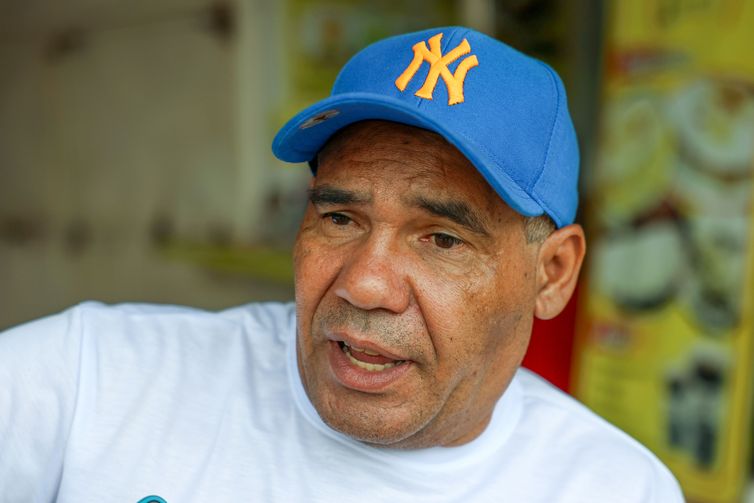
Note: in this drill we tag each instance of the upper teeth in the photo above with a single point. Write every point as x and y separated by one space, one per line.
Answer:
365 351
372 367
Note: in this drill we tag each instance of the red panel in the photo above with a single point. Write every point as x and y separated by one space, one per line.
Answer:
551 346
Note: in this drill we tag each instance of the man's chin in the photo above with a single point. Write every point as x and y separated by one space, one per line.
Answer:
383 436
372 419
380 408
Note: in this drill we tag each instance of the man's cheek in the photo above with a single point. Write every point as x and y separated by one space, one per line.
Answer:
306 261
315 272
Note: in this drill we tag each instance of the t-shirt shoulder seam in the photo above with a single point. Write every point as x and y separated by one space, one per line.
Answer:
76 323
146 310
254 317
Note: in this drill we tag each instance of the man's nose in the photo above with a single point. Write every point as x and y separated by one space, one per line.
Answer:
374 276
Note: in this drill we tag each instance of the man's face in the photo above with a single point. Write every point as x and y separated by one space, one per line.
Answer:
415 289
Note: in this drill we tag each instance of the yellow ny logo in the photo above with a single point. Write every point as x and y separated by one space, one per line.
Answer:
439 68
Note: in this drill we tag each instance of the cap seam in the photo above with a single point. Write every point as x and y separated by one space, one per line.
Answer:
417 100
556 216
558 101
497 161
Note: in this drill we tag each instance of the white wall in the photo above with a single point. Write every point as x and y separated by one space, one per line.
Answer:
119 118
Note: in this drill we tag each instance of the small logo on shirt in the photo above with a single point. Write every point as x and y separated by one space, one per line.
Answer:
152 499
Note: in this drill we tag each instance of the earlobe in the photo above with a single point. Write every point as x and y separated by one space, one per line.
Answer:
558 265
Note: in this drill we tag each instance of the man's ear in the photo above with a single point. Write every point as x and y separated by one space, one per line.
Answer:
558 265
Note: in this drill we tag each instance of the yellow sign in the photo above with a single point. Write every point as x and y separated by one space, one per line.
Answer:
666 330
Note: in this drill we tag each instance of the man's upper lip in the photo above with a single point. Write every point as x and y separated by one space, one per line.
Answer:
364 344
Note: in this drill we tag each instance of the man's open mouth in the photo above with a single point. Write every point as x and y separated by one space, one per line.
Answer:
368 360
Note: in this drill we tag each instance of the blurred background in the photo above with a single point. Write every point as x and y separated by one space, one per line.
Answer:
135 166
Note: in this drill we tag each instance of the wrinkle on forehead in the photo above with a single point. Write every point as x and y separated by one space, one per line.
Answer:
428 155
353 138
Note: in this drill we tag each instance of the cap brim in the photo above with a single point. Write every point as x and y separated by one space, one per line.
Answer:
304 136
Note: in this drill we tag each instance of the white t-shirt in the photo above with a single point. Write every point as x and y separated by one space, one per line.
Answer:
120 403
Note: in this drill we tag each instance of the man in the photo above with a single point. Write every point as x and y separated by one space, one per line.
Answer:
440 223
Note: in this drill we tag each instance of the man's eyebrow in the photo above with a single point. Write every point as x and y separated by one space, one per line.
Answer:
325 194
457 211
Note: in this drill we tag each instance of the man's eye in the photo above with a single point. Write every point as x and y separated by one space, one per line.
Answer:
446 241
338 218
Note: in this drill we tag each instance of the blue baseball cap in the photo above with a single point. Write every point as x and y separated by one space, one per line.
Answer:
505 111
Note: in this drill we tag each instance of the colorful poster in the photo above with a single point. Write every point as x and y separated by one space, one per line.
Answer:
665 345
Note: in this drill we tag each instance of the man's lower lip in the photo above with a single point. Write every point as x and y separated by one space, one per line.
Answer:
352 376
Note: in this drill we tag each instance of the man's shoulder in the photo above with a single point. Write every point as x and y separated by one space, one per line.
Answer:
263 314
578 441
550 411
548 408
256 311
126 384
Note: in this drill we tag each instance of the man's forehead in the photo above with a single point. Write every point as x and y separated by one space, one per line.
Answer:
364 131
403 154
